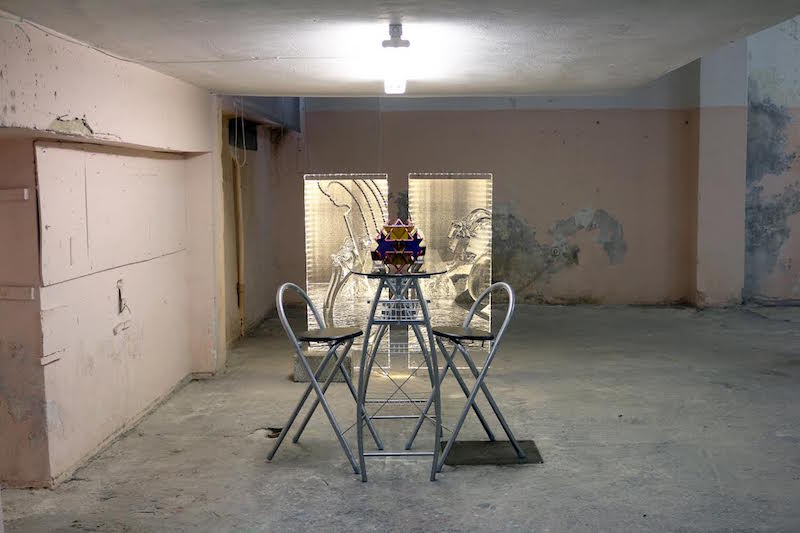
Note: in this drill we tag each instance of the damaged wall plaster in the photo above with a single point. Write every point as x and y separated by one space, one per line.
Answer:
71 126
520 259
767 216
566 183
607 231
773 173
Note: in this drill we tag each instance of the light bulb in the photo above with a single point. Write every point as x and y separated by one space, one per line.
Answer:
394 86
395 61
395 69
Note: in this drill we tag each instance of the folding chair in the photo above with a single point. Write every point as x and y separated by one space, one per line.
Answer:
334 338
458 335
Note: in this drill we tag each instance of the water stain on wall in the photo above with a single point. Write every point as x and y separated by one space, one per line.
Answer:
520 259
766 219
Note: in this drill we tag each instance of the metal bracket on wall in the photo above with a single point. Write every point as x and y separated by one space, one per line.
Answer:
14 195
8 292
52 358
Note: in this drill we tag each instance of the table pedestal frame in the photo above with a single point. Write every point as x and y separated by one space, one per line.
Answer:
404 311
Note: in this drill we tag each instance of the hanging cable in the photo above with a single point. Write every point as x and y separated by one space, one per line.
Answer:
236 133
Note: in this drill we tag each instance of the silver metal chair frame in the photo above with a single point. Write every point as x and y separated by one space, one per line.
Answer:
480 376
314 377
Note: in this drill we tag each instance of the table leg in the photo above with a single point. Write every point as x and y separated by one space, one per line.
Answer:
434 379
362 382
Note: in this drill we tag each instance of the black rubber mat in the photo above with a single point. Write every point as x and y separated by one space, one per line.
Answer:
499 452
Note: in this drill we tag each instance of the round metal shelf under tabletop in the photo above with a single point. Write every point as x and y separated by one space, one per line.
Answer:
404 304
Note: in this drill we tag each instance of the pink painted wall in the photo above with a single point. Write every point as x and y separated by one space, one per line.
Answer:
722 158
638 165
288 164
107 214
23 422
273 227
258 206
52 85
204 252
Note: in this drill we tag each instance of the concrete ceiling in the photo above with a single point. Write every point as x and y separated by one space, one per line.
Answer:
467 47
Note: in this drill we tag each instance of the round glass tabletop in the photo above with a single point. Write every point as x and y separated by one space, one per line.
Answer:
381 274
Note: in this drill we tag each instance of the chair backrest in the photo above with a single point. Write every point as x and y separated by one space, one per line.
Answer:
500 285
282 312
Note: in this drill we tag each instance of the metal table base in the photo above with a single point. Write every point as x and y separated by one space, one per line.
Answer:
402 309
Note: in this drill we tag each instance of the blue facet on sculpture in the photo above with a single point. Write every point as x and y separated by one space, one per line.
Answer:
399 247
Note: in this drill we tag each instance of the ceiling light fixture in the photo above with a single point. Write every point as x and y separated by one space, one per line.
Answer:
395 61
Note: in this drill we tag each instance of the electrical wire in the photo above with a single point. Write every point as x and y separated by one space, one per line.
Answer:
236 133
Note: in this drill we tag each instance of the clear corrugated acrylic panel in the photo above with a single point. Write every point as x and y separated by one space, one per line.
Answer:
343 215
454 212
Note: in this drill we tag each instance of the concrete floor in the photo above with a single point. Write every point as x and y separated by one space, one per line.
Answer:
648 419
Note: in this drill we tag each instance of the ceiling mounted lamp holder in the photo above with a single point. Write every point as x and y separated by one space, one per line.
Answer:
394 81
396 37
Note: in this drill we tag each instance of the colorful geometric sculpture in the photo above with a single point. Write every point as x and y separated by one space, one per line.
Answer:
399 246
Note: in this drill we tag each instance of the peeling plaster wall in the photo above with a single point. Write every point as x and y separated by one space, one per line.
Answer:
593 204
145 218
772 235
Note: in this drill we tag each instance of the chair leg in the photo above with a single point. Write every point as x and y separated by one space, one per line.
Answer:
331 417
299 405
315 385
493 404
328 380
465 389
479 385
460 422
450 364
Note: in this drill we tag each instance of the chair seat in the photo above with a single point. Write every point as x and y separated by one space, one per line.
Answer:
329 334
458 333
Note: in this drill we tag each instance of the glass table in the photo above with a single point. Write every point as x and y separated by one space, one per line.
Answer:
403 304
